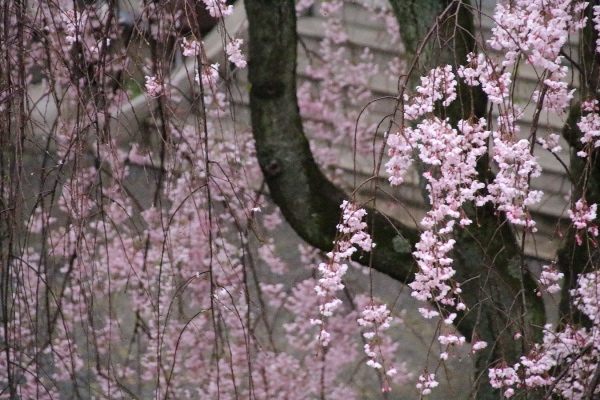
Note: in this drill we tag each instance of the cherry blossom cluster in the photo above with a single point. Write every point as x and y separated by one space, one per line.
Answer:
303 5
551 143
583 216
153 87
74 24
375 319
381 345
401 150
342 352
596 20
451 178
579 347
550 277
451 339
478 345
539 30
208 74
76 50
432 282
590 127
586 297
426 383
191 48
380 10
432 140
439 84
516 164
267 253
208 77
218 8
352 230
352 223
536 28
504 378
510 190
480 70
452 158
235 54
557 94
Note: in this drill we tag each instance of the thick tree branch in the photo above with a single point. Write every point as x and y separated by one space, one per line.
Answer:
308 200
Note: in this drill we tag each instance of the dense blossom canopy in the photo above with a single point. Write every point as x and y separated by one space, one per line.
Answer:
149 264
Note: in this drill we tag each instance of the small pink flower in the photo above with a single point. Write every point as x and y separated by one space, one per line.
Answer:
153 87
235 54
190 49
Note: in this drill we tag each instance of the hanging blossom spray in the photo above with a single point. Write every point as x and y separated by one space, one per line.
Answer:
374 318
352 232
